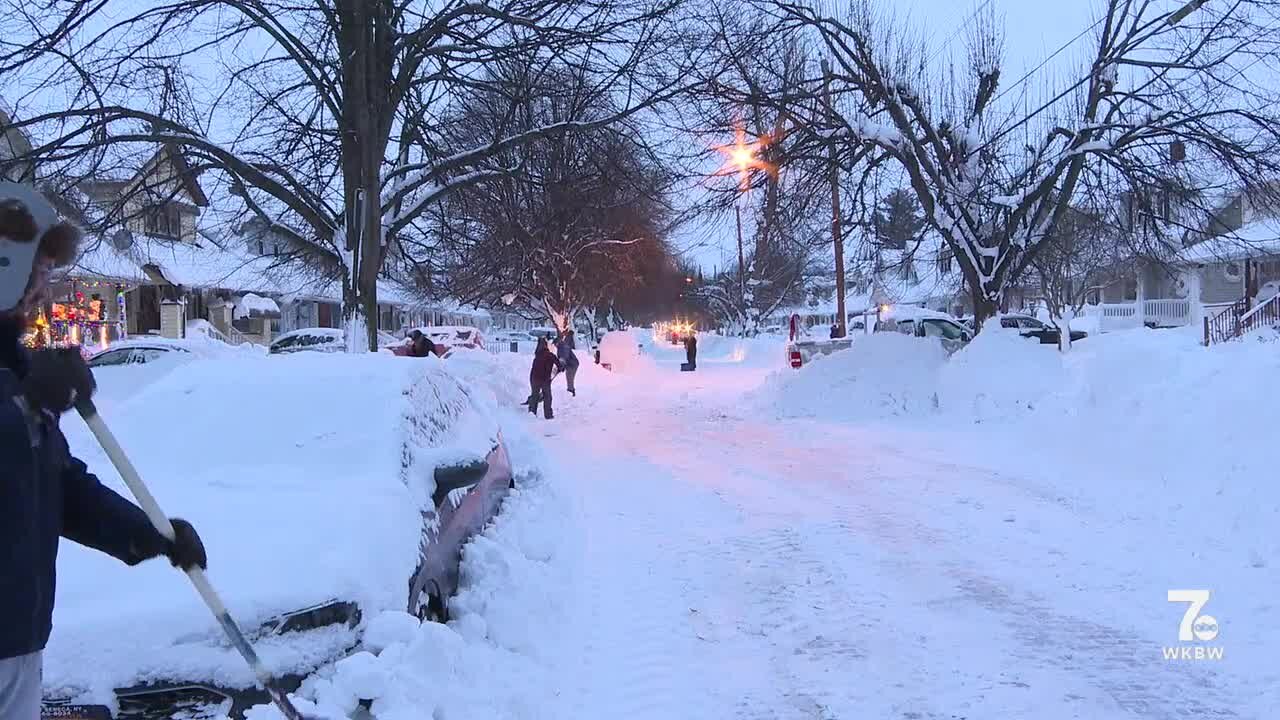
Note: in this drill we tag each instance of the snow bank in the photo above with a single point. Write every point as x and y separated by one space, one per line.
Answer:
501 654
622 351
884 375
999 375
1175 430
306 475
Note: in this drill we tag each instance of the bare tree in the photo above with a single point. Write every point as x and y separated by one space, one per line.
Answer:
996 183
1087 252
321 117
567 230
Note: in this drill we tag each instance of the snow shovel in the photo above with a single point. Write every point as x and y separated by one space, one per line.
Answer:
129 473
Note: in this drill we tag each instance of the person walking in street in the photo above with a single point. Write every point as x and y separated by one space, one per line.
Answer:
45 492
420 345
545 365
691 350
568 359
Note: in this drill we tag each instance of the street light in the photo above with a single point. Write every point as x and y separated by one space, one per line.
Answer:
740 157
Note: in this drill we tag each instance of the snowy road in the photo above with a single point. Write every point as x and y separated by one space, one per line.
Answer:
739 567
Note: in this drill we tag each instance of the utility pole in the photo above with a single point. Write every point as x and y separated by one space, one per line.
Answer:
836 237
742 271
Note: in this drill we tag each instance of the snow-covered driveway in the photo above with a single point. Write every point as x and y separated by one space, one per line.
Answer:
738 567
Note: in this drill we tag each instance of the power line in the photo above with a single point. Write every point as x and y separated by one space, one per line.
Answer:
1044 62
972 16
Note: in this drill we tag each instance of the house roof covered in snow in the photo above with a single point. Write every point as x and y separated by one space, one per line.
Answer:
1261 237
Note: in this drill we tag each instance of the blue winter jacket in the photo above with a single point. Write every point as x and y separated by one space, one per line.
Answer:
46 493
564 351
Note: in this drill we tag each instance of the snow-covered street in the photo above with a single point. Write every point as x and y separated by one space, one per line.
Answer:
722 564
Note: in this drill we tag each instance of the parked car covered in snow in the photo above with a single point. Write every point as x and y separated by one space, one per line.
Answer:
326 489
308 340
137 352
143 349
1030 327
921 322
451 336
321 340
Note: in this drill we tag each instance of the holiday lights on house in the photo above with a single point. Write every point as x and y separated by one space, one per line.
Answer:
82 318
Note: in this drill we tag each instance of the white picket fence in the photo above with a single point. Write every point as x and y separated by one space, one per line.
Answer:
1163 312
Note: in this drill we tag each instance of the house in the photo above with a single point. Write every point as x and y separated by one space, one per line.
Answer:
150 266
14 146
1225 257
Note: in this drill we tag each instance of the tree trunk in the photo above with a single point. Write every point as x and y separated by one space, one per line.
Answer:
1064 328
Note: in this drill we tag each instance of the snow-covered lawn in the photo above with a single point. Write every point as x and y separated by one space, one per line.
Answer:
884 534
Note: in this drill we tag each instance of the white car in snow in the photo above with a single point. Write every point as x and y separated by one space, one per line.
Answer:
925 323
321 340
326 489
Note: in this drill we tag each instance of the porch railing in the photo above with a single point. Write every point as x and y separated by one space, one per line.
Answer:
1239 319
236 337
1167 311
1162 312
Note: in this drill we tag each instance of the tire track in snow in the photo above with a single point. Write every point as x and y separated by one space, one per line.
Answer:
769 592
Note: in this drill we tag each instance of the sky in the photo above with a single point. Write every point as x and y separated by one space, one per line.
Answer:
1033 30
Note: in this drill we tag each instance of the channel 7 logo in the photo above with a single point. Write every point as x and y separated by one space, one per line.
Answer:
1195 626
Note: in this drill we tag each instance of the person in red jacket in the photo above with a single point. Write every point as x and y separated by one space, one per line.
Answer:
545 365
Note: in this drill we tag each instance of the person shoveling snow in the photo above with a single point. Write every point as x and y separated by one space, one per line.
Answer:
45 492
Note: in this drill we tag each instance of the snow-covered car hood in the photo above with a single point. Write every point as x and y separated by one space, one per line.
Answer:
306 476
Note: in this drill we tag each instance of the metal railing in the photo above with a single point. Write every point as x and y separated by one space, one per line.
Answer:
1239 319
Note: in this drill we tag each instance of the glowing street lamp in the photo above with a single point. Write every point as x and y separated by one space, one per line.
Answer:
740 157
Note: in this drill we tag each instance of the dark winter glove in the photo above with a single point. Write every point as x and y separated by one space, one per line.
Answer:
186 550
56 379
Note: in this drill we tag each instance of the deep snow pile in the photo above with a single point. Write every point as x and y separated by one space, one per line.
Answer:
306 476
1147 425
624 351
498 657
885 375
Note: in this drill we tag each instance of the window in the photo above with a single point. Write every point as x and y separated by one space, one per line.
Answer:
944 262
1232 271
907 327
112 357
1131 288
1268 270
163 221
262 249
941 329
